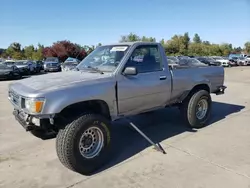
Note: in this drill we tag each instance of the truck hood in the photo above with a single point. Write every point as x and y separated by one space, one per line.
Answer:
56 80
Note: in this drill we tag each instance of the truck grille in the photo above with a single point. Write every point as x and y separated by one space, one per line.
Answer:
14 97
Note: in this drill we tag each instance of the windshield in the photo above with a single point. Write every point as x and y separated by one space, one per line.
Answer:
21 62
105 58
241 58
53 59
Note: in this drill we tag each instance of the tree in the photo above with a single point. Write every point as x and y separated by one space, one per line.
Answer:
18 55
162 41
206 42
28 51
16 46
14 51
247 47
237 50
65 49
38 53
131 37
226 49
186 41
175 46
197 49
197 38
2 51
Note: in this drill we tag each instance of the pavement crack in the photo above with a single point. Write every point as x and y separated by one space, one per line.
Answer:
209 162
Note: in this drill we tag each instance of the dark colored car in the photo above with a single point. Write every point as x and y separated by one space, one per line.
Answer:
52 67
233 59
208 61
191 62
52 64
9 72
38 65
183 57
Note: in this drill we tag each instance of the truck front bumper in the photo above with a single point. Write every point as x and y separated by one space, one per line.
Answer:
220 90
30 122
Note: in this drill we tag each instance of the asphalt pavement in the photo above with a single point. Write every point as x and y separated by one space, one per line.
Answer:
216 156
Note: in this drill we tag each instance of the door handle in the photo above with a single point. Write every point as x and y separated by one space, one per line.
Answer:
163 77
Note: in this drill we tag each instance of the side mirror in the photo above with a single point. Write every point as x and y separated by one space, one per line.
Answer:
130 71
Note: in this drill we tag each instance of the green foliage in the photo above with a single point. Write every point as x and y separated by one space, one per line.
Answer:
28 51
131 37
247 47
177 45
197 38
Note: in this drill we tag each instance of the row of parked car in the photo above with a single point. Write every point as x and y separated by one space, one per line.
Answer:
210 61
12 69
19 68
16 69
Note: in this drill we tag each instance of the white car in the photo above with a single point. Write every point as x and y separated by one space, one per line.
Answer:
248 59
242 61
224 62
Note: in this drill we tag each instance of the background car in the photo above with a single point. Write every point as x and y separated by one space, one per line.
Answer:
52 64
9 71
26 67
233 61
224 62
191 62
70 64
183 57
241 61
208 61
248 59
9 62
172 60
38 66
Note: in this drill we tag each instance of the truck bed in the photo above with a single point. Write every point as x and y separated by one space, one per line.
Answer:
186 77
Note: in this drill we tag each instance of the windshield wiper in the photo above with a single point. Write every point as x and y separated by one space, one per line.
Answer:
95 69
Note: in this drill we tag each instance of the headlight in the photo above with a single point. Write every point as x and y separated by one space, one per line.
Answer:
7 73
34 105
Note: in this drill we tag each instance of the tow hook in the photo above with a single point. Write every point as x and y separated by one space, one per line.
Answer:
51 120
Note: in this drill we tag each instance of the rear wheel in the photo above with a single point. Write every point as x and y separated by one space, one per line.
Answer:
196 109
84 145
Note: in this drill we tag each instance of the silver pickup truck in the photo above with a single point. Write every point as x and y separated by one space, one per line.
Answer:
114 81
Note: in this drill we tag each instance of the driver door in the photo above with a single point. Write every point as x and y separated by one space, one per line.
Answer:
150 88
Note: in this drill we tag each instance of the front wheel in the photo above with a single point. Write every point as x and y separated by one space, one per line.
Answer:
84 145
196 109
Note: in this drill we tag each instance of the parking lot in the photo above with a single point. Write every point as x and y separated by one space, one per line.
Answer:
216 156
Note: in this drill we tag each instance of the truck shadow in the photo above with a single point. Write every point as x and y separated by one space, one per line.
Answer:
159 126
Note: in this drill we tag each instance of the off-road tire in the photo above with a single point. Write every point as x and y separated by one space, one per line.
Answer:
67 144
188 109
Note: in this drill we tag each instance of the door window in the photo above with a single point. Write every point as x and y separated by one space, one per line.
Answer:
146 58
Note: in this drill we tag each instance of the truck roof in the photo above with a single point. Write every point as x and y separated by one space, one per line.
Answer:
131 43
